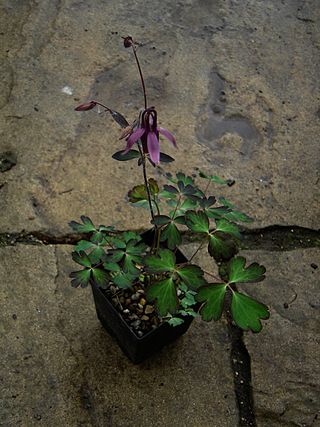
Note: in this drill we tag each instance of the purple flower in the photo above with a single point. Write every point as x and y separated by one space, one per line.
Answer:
148 132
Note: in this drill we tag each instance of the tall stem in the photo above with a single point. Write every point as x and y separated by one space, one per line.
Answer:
141 76
143 159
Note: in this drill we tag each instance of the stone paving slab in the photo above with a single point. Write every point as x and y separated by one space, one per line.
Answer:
59 366
285 356
235 81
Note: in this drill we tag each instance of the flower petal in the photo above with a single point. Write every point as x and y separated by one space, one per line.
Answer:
137 134
86 106
153 147
168 135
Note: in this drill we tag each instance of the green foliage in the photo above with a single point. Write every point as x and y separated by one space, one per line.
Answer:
130 155
191 275
86 226
165 294
163 262
197 221
247 312
177 290
213 296
220 247
216 179
239 274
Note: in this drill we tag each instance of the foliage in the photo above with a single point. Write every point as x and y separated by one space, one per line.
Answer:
176 286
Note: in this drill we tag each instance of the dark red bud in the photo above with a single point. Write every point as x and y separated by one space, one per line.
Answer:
127 41
86 106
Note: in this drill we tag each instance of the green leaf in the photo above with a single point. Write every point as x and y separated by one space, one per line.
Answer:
132 154
221 248
116 255
239 274
227 227
83 245
238 216
175 321
100 277
172 235
81 258
130 235
153 186
111 266
197 221
119 118
170 189
161 220
165 158
165 295
226 202
192 276
86 227
96 254
186 180
124 280
163 262
80 278
138 193
247 312
216 179
129 264
188 300
213 295
217 213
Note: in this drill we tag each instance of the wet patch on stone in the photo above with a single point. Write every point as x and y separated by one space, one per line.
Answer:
8 159
213 124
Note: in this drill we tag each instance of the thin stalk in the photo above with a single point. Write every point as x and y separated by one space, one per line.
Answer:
141 76
200 246
143 160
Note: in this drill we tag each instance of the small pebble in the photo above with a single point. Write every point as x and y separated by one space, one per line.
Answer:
143 301
149 309
140 306
140 333
126 311
136 324
140 291
144 317
135 297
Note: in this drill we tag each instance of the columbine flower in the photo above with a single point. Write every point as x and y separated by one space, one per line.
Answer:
148 132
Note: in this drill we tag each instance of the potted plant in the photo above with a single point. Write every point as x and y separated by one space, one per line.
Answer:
146 291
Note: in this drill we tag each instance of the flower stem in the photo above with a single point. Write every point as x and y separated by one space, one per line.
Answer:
200 246
143 160
141 76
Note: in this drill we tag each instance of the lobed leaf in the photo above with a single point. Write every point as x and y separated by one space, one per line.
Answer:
163 262
192 276
165 295
197 221
81 258
172 235
221 248
100 277
239 274
213 295
247 312
86 226
227 227
80 278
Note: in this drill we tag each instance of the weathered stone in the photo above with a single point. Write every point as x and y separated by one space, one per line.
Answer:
236 83
285 355
58 363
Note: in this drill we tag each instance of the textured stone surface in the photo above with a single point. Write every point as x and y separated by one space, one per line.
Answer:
285 356
235 81
59 366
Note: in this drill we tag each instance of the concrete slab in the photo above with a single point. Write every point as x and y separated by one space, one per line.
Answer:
59 367
235 81
285 355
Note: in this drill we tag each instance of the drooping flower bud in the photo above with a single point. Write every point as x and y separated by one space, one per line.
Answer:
86 106
128 41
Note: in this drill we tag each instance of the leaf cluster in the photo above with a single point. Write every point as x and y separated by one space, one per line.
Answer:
176 288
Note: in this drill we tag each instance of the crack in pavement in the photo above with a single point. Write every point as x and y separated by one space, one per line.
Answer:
271 238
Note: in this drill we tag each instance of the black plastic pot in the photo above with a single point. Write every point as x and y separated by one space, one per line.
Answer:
136 348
